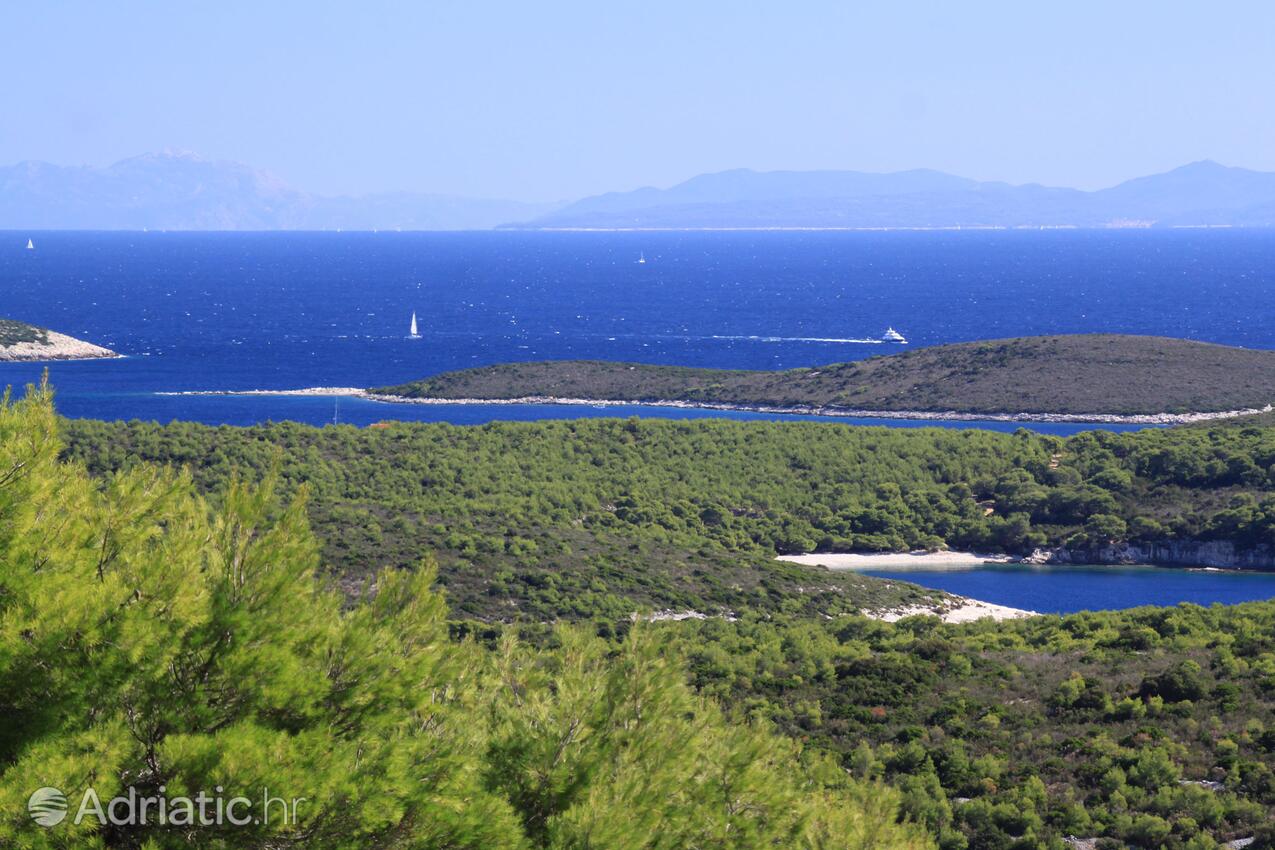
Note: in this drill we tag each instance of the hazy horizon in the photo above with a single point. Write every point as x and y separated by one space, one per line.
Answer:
198 156
549 103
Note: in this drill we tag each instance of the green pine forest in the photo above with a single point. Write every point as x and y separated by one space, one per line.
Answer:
429 632
151 638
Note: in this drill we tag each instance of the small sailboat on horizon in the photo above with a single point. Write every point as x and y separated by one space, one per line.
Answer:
30 245
413 333
641 258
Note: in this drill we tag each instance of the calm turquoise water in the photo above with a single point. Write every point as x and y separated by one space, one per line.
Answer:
1064 590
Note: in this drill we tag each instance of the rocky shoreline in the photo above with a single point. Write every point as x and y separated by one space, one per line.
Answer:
850 413
1198 554
54 346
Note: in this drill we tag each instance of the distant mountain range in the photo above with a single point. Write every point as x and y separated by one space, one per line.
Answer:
181 191
1199 194
184 192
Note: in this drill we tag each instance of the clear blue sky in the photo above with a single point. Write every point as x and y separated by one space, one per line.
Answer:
540 100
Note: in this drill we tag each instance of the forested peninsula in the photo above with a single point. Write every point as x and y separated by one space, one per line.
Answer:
1069 376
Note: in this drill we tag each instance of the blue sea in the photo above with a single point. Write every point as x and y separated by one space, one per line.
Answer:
244 311
1065 590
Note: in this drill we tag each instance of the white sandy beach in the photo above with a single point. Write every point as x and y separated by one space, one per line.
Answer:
952 609
896 560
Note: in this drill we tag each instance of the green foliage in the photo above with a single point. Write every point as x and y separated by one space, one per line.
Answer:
148 641
584 519
1020 733
13 332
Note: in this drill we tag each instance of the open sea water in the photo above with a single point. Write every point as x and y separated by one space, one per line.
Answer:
244 311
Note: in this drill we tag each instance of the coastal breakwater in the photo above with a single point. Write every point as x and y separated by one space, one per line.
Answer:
1215 554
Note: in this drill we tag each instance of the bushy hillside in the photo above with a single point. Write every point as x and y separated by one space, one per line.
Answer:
1080 374
604 517
154 646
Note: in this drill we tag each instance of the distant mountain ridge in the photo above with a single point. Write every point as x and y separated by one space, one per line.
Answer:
181 191
1199 194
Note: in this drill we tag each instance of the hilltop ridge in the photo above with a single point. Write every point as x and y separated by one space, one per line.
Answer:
1107 374
182 191
1197 194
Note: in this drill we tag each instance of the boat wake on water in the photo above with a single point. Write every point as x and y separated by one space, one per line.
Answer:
839 340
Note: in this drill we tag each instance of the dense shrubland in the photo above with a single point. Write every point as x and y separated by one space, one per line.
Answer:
13 332
148 640
596 518
1150 728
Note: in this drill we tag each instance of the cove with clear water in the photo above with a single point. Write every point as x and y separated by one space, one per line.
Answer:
1064 590
245 311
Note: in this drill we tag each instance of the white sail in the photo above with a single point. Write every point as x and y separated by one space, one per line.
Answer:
641 257
413 332
30 245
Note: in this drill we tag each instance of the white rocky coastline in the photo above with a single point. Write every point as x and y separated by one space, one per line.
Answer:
56 347
954 609
853 413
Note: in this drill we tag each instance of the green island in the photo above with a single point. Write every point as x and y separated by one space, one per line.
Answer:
578 631
1104 374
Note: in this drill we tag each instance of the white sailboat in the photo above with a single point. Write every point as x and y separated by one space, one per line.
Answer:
413 334
30 245
641 258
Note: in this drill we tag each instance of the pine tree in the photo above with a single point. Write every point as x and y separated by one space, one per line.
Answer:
151 642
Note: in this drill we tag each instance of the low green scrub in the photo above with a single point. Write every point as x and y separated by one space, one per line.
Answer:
1150 728
13 332
593 518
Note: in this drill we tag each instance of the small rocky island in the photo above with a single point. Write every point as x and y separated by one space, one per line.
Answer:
22 342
